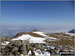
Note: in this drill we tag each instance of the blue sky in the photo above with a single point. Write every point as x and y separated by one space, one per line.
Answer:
44 13
22 16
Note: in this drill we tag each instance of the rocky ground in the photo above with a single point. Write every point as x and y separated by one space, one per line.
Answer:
37 43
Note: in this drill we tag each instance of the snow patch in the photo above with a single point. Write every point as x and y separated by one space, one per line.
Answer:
5 43
39 53
40 33
71 34
31 39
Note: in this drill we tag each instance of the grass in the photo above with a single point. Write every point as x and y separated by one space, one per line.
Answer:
62 41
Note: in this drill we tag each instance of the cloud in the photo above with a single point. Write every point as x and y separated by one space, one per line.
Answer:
10 31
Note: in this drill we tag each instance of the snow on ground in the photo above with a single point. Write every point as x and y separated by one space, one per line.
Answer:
31 39
39 53
51 38
22 55
52 47
5 43
71 34
46 36
40 33
29 52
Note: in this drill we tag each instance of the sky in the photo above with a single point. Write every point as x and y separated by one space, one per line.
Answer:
44 13
48 16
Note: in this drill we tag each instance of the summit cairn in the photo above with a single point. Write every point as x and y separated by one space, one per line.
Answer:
35 30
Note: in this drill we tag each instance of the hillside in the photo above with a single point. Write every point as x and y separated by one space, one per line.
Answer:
33 37
35 42
42 37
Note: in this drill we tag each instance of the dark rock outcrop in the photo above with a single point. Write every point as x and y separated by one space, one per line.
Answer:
71 31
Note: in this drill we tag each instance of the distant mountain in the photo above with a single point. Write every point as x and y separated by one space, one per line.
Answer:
71 31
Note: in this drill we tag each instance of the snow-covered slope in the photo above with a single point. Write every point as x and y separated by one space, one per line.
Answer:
30 38
40 33
71 34
40 38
